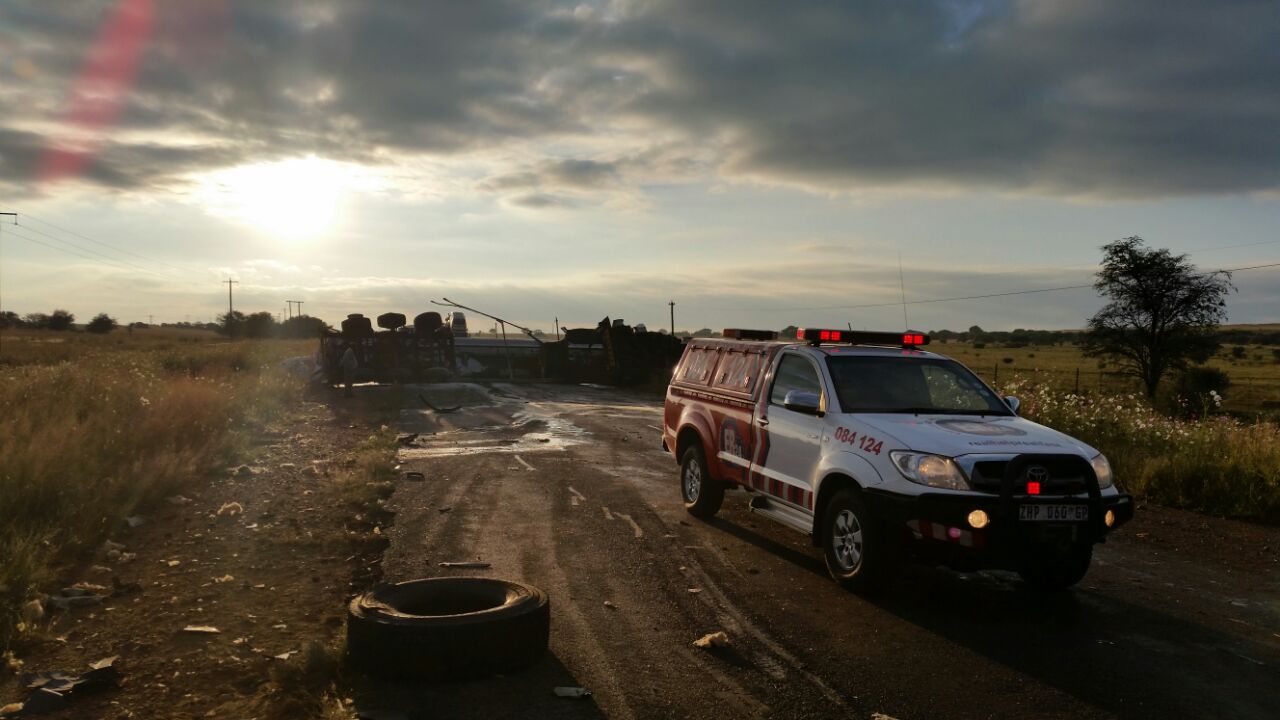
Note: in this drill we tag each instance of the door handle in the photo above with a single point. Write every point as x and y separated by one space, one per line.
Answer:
762 421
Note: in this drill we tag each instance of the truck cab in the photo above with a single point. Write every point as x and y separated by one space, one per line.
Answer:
880 450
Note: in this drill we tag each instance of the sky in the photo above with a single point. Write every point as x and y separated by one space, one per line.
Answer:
760 164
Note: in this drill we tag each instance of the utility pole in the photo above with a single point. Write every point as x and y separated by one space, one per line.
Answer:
230 306
673 317
557 328
151 319
14 215
291 304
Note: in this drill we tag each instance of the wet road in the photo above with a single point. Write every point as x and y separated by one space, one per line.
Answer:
567 488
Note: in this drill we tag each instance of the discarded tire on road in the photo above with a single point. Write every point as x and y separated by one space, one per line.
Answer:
448 628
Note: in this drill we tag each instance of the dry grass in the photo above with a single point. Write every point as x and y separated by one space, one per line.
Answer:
93 430
1255 378
1214 464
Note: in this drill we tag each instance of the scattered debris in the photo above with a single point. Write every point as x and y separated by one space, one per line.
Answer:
52 691
476 565
694 591
406 438
414 476
712 640
179 500
572 692
82 595
288 466
285 655
134 521
609 604
33 612
201 630
230 509
444 509
882 716
173 563
126 557
224 579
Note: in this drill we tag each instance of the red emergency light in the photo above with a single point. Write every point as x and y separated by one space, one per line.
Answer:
1033 488
817 336
741 334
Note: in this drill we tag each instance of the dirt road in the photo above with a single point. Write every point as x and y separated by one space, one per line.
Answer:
567 488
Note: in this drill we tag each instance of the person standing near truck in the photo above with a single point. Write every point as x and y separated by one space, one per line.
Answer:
348 363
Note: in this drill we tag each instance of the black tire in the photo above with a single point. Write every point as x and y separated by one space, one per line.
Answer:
854 546
702 495
1054 572
448 628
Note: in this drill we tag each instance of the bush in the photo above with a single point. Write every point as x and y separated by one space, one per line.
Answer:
1238 352
1007 360
1198 390
102 323
979 345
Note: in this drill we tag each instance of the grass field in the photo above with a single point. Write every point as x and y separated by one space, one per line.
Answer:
97 426
1255 378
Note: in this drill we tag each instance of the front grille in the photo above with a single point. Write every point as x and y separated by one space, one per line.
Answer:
988 475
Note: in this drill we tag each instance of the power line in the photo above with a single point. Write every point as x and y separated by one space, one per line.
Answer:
82 236
965 297
118 261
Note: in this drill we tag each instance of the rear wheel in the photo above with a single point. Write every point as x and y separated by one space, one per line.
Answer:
1057 571
856 551
702 495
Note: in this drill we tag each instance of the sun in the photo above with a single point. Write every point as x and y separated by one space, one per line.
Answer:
296 199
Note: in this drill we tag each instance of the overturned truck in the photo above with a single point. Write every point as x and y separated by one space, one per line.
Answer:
429 350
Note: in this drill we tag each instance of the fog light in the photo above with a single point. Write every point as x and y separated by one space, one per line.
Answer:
1109 518
978 519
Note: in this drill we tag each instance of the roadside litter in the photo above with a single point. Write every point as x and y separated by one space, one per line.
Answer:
406 438
77 596
230 509
134 521
609 604
201 630
572 692
414 477
713 640
465 565
53 691
179 500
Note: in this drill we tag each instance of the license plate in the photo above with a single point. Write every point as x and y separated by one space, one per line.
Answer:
1054 513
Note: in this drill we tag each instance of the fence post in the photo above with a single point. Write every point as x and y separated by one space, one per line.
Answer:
995 374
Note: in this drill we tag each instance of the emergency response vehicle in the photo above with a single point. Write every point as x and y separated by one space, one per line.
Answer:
880 450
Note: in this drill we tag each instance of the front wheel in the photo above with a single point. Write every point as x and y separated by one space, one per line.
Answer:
1057 571
857 554
702 495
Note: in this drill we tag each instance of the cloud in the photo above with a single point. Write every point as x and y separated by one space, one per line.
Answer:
1091 98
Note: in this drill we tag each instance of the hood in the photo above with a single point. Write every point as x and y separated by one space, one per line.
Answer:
955 435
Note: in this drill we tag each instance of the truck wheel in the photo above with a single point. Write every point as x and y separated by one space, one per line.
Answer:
702 495
1057 571
855 549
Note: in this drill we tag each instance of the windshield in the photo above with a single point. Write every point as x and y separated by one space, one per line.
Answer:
896 384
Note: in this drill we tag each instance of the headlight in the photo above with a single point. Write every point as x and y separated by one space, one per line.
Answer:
932 470
1102 469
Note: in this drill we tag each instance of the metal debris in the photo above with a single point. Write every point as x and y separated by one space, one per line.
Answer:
572 692
477 565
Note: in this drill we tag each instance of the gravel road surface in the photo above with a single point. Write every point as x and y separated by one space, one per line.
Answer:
566 487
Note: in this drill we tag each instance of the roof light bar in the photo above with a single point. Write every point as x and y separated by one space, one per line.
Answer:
741 334
817 336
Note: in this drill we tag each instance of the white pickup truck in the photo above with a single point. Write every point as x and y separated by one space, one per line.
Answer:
880 450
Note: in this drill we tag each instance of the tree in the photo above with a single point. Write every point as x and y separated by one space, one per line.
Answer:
61 320
102 323
231 323
1161 312
260 325
10 319
39 321
303 326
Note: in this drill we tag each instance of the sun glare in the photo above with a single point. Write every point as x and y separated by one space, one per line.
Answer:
294 199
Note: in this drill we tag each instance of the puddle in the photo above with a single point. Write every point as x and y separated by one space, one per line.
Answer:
494 424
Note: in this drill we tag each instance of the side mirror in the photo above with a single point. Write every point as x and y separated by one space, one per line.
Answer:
1013 403
803 402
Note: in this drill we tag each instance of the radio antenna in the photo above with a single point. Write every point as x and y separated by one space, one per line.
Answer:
902 286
